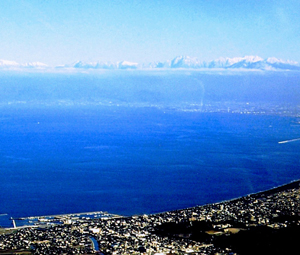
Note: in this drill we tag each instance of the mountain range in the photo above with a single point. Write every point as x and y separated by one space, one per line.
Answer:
14 64
180 62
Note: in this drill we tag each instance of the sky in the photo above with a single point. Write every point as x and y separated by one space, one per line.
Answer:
59 32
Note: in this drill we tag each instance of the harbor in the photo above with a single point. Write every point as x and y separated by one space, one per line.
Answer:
48 220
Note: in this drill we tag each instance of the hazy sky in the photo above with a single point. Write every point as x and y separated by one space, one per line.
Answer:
60 32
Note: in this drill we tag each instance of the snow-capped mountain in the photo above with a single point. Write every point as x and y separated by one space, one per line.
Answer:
94 65
35 65
103 65
127 65
8 64
186 62
238 62
181 62
247 62
250 62
281 64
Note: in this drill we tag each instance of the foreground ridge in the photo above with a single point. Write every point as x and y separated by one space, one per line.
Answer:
263 223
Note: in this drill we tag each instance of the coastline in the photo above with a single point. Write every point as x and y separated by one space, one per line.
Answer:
283 187
42 220
267 222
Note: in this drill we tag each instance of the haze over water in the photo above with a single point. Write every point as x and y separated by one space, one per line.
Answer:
133 143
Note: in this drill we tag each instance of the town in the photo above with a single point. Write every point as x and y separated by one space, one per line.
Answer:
244 225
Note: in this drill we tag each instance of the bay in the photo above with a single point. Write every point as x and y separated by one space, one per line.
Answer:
134 143
138 160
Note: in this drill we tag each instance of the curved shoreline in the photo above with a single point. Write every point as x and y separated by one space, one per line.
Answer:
283 187
68 216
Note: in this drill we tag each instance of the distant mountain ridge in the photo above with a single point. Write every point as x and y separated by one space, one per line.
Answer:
247 62
179 62
14 64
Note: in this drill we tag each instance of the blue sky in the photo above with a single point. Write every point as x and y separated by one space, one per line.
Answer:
60 32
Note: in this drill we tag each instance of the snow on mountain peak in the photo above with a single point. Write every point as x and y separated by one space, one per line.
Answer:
91 65
246 62
35 65
186 62
8 63
274 60
13 64
127 65
252 59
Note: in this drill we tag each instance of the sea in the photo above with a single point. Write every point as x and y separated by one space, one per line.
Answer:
131 142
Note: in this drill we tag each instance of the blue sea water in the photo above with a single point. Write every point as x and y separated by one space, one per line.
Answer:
133 159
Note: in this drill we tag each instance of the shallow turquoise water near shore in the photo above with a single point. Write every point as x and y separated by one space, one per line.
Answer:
138 160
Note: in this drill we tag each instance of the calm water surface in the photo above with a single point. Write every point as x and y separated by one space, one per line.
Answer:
130 160
132 143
